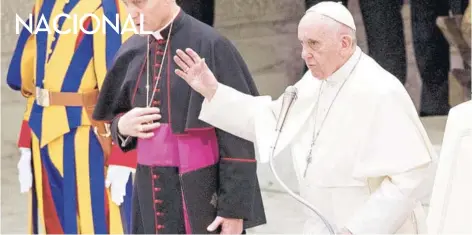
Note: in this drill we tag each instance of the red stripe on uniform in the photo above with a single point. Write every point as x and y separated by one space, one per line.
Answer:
120 158
81 33
25 135
117 3
51 221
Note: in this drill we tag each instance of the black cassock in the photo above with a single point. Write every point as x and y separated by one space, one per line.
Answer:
189 172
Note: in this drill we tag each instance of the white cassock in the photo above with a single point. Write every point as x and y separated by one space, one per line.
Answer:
451 202
372 155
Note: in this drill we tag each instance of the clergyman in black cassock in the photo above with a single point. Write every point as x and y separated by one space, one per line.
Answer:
188 172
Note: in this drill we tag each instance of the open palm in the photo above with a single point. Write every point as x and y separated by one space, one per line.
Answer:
195 72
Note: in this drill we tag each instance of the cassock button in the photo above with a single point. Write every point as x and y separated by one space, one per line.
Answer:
157 65
157 201
156 102
160 226
159 53
157 189
157 90
159 214
161 41
155 78
155 176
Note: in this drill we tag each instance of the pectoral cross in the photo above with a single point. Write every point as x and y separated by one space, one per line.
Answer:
308 162
315 133
308 159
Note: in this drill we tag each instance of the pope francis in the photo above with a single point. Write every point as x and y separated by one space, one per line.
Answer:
361 154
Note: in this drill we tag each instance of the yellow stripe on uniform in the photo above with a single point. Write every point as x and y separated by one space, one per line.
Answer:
56 154
55 119
38 180
88 83
57 67
83 180
99 47
116 225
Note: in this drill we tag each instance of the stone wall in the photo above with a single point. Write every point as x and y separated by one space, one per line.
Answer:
12 102
265 32
14 210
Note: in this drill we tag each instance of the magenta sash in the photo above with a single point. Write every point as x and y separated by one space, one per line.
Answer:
195 150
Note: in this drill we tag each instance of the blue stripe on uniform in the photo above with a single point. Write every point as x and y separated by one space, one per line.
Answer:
97 184
34 199
113 39
126 206
36 116
14 70
66 10
70 184
55 183
75 74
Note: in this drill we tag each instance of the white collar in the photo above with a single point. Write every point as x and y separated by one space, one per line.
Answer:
343 73
157 34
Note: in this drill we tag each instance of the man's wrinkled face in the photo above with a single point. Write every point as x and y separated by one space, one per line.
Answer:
154 12
320 45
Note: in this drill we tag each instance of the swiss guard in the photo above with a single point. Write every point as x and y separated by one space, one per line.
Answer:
79 181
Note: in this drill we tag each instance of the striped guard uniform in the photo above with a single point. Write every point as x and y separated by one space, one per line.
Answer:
69 164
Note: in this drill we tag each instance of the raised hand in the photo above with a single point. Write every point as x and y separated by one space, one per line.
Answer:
195 72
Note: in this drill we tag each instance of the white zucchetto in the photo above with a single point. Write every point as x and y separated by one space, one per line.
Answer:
336 11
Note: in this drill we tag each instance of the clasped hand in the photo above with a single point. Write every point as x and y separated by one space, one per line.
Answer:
139 122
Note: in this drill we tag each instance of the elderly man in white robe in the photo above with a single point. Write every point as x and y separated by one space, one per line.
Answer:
361 154
450 209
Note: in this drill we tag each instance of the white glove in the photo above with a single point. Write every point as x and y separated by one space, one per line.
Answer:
117 177
25 173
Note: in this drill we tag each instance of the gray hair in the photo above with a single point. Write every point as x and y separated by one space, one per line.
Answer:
339 28
343 30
